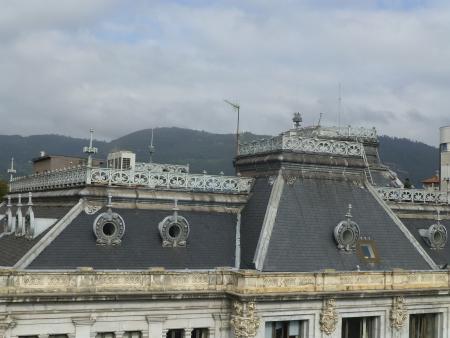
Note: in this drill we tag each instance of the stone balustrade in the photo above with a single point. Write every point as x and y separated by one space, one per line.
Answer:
87 281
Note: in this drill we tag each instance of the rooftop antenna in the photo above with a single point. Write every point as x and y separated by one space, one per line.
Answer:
151 148
90 150
320 119
237 107
11 171
339 105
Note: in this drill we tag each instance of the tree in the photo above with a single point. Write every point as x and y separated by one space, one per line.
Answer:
3 189
407 184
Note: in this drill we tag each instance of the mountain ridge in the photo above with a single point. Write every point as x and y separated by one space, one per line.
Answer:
202 150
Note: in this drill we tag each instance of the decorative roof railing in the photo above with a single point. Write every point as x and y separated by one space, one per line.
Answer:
412 195
161 167
348 131
162 180
55 179
79 176
293 142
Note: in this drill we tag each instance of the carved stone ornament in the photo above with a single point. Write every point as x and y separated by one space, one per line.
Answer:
109 227
328 317
399 313
347 232
6 322
244 321
174 229
90 209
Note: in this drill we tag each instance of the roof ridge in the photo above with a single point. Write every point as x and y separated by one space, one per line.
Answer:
45 241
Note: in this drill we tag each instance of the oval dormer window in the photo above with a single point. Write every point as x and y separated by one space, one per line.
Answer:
347 232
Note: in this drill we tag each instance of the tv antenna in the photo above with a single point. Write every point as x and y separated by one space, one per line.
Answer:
339 104
320 119
237 107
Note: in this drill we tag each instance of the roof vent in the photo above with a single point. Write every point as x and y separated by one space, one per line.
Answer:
436 235
346 233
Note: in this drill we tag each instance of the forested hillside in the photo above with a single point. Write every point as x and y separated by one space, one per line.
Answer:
202 150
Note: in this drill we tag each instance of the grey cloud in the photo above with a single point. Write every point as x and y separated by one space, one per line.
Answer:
63 71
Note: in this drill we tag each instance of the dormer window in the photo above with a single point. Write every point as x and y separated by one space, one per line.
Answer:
436 235
174 229
346 233
367 251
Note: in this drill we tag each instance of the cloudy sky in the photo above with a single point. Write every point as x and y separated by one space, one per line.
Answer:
119 66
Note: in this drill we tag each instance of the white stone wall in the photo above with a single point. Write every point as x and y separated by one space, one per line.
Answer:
155 317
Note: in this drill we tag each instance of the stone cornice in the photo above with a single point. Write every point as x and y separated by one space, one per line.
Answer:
243 283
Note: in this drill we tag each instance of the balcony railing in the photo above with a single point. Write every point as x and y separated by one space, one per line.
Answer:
297 143
412 195
80 176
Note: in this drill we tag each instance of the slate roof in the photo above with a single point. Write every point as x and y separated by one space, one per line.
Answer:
252 220
441 256
302 237
12 248
211 243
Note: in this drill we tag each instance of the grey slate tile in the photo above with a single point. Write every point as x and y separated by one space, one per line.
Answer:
302 238
252 220
441 256
211 243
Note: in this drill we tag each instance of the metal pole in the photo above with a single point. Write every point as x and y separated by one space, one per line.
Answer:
237 132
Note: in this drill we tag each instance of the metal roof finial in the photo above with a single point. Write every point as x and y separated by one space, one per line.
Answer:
90 150
439 219
297 119
109 205
151 148
349 212
175 209
11 171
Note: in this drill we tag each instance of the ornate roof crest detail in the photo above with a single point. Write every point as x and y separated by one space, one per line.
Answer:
244 321
328 317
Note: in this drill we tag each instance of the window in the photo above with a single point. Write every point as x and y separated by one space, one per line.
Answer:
105 335
58 336
132 334
176 333
359 327
367 251
287 329
199 333
423 325
126 163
